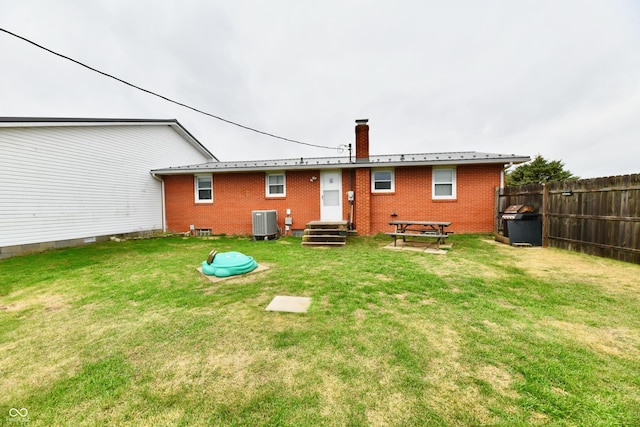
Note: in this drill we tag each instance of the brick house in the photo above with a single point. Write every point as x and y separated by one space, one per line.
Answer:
220 196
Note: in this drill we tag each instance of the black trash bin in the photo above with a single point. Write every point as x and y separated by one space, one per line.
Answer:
523 225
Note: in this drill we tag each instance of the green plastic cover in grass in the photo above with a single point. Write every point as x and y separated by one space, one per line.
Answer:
226 264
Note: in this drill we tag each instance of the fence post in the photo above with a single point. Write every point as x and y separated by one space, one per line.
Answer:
496 211
545 216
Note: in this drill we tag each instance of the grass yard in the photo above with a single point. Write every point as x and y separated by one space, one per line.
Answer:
131 334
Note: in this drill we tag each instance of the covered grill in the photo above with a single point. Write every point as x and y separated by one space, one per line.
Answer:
522 224
519 212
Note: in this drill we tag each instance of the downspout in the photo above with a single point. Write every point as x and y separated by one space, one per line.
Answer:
164 219
503 173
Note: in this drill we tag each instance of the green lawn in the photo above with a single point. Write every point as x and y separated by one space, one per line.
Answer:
131 334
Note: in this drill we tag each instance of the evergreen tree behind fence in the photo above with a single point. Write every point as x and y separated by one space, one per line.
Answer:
599 216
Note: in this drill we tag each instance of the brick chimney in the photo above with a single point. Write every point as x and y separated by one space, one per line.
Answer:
362 140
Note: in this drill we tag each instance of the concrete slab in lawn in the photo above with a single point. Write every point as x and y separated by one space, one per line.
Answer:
215 279
289 304
420 246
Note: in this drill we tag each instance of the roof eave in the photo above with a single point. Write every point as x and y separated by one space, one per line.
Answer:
232 166
75 121
177 126
85 121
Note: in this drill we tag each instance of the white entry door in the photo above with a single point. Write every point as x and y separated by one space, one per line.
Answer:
331 195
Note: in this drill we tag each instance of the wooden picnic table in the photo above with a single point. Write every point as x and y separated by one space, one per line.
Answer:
429 229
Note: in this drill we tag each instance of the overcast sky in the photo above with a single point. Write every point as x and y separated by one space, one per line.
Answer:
560 78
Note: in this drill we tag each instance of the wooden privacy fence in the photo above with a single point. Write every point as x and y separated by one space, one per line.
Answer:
599 216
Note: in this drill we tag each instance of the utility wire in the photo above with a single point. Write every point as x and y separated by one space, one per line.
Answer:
164 97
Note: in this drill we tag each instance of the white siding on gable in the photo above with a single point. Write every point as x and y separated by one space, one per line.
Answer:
62 183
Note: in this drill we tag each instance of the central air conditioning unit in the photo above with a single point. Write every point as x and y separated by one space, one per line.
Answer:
265 224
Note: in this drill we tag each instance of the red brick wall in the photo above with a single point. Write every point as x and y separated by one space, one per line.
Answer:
237 194
470 212
363 201
362 141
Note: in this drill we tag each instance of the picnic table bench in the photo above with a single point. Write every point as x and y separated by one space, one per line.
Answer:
427 229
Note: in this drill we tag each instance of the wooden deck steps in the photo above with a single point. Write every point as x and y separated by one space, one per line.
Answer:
325 233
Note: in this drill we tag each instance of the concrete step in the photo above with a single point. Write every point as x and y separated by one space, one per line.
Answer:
325 233
324 238
340 225
333 244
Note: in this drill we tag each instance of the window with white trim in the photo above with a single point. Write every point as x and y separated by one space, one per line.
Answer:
382 181
444 183
203 185
276 184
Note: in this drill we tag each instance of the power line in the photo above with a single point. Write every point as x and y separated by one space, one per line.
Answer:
162 96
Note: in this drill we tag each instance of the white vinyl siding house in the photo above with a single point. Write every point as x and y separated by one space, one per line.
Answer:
61 181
